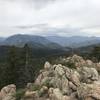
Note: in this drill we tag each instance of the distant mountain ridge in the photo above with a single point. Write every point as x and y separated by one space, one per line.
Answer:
36 42
50 42
74 41
2 39
22 39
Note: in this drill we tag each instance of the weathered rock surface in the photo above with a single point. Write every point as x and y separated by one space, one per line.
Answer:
89 91
88 75
7 93
30 95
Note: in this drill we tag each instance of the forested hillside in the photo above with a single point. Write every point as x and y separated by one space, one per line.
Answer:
20 65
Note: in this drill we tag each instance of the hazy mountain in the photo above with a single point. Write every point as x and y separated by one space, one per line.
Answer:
50 42
74 41
23 39
36 42
2 39
87 43
87 49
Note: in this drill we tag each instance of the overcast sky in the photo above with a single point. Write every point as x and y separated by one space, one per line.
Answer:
50 17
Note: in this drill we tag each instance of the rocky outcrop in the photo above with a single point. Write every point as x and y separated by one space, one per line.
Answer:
76 60
59 82
80 62
72 84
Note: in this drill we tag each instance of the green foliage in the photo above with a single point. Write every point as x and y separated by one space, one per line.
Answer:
47 83
42 93
60 60
70 65
35 87
19 94
11 70
16 69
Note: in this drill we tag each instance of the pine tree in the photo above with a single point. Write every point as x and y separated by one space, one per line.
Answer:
23 67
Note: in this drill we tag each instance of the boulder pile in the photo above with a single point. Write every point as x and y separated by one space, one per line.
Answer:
59 82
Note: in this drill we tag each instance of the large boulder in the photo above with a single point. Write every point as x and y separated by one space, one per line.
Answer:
75 78
42 77
62 84
8 92
88 75
76 60
45 74
55 94
89 63
97 66
47 65
59 70
31 95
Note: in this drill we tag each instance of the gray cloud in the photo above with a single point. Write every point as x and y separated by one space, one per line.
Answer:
45 29
32 26
48 30
32 3
25 16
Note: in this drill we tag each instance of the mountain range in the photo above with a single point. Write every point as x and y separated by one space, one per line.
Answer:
33 41
74 41
50 42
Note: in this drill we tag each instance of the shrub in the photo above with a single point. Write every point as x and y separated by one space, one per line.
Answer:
19 94
70 65
35 87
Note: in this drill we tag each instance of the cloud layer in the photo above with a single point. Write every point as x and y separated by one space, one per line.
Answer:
62 17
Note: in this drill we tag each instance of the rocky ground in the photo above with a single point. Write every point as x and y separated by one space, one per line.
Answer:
58 82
